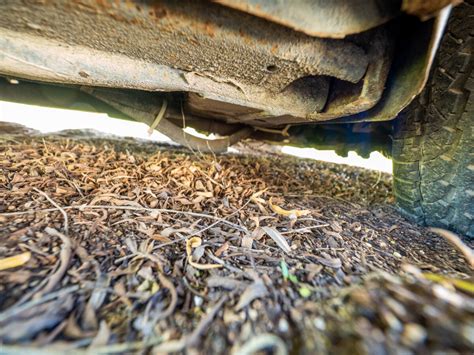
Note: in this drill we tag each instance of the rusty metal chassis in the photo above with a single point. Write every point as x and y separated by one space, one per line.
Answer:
232 67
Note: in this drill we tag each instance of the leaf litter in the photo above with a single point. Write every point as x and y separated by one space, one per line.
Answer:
117 246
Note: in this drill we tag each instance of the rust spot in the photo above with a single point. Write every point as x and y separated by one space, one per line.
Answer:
157 12
193 40
210 29
130 4
103 3
245 37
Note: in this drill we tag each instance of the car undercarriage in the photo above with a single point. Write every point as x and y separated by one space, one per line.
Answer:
225 66
345 75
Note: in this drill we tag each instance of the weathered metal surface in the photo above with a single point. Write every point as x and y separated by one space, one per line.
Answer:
426 8
144 108
344 99
235 67
199 47
36 58
380 53
322 18
410 70
190 35
307 89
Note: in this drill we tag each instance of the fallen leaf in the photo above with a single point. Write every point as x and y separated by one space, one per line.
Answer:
168 232
330 262
102 337
247 242
206 194
14 261
26 324
288 213
252 292
222 249
460 284
227 283
278 238
304 292
196 242
160 238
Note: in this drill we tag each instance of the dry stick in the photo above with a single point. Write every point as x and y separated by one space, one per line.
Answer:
65 258
378 180
174 298
455 241
129 208
220 220
194 338
12 311
119 348
304 229
66 224
261 342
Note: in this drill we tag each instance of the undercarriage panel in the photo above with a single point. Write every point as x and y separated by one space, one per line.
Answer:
220 56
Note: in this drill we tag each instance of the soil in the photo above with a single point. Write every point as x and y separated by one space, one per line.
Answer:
122 246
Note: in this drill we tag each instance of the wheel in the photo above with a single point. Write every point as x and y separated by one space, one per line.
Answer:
433 144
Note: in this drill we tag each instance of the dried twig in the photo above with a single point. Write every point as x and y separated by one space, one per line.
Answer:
174 298
122 348
66 223
10 312
455 241
219 220
195 336
173 193
65 258
304 229
129 208
261 342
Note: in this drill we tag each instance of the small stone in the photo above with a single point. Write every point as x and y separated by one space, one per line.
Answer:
397 255
413 334
320 324
253 314
283 325
333 243
230 316
198 301
199 186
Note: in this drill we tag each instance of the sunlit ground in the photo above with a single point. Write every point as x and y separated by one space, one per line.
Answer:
45 119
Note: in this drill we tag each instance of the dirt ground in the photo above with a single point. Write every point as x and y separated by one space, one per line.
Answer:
116 246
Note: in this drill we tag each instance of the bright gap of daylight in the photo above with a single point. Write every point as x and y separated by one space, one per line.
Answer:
46 120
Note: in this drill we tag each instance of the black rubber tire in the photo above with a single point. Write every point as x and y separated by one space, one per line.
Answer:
433 144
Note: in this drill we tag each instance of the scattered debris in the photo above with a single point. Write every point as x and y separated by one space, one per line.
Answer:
112 245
